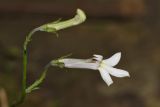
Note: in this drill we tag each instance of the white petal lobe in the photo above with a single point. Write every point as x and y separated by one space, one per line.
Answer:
113 60
117 72
105 76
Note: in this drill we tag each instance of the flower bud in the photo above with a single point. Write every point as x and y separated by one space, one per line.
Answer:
79 18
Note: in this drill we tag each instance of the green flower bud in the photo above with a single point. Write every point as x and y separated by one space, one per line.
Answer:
79 18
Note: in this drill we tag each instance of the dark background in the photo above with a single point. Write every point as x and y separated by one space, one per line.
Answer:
129 26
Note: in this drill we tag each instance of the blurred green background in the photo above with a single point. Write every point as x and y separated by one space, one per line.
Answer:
129 26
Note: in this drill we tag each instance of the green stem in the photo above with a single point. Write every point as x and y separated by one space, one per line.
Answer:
24 81
36 84
24 75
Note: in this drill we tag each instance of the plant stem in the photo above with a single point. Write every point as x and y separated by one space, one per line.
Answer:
24 75
36 84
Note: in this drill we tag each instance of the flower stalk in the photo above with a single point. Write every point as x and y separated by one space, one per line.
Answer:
50 27
24 75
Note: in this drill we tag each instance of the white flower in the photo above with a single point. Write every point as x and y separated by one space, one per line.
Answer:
105 66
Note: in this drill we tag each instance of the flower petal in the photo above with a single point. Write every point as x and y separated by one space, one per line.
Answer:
117 72
105 76
113 60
